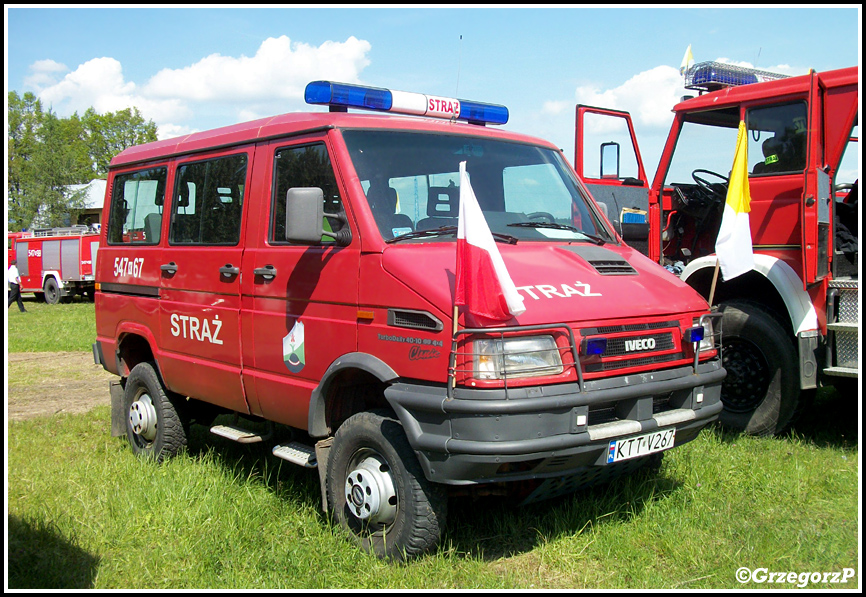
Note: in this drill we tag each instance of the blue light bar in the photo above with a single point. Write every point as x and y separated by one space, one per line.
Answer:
695 334
596 346
711 76
349 96
483 113
343 95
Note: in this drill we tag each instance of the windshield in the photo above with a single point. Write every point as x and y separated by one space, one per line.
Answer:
412 183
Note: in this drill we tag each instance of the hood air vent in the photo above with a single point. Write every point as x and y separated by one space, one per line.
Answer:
413 320
613 267
605 262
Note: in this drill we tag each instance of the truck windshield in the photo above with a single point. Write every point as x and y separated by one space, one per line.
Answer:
412 183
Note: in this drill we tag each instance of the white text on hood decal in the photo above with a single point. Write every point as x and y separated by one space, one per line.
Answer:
562 291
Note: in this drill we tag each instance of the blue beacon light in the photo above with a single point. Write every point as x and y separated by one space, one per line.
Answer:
341 96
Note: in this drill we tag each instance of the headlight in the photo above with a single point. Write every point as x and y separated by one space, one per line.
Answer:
706 342
516 357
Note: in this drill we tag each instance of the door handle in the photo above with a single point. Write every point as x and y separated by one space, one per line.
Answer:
268 272
170 268
228 270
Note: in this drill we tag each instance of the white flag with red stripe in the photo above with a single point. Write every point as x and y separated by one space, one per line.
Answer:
483 283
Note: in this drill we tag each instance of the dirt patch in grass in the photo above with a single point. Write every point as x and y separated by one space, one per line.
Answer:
48 383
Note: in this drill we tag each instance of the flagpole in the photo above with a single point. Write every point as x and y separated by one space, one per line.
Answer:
713 286
454 337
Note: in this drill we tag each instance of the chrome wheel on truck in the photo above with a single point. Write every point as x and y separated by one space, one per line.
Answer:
156 425
377 490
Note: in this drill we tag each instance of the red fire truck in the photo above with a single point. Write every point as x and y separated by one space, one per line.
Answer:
792 323
299 271
57 263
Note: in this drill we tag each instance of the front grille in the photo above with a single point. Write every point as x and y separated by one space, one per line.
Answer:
620 346
632 327
614 365
632 350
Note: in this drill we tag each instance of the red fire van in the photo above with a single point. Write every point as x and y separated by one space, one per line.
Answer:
299 271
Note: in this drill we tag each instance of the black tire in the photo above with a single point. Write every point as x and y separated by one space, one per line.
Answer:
761 391
156 423
408 519
51 290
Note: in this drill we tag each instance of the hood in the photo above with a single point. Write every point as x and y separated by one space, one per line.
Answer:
559 283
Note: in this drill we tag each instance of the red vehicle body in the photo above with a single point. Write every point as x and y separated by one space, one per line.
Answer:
792 322
230 292
57 263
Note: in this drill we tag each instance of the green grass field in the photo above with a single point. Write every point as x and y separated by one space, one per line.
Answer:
49 328
84 513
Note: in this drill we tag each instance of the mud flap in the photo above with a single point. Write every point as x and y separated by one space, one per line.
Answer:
118 412
323 449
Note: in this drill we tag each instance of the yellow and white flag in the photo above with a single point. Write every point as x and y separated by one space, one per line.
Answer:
688 61
734 243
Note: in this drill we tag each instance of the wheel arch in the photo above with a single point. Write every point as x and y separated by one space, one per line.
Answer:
772 282
366 376
135 344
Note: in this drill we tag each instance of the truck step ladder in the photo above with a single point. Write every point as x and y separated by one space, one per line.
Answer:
843 329
297 453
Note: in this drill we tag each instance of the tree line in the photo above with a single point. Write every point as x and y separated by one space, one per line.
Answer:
47 154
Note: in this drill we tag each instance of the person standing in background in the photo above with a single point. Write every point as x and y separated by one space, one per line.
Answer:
14 280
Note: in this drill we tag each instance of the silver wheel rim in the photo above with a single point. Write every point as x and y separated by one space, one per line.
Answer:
142 418
370 493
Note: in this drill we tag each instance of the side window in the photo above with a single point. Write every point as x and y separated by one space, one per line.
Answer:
135 214
208 202
777 139
303 166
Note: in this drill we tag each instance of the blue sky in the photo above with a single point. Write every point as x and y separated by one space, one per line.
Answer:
193 69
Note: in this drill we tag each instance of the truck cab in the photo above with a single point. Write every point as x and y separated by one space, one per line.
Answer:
299 272
791 323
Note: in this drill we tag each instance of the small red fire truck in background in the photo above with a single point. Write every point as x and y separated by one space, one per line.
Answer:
299 271
792 322
57 263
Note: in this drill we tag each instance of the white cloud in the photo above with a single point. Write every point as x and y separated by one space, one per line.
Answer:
99 83
279 70
555 108
649 96
44 73
233 87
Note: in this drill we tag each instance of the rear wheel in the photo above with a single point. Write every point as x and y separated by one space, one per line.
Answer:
52 291
761 391
377 490
156 423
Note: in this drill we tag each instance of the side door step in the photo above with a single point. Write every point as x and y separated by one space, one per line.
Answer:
297 453
243 436
841 371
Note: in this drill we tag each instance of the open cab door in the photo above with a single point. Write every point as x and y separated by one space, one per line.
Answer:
815 206
608 161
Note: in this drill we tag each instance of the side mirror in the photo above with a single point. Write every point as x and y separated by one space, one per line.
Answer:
603 208
609 160
304 213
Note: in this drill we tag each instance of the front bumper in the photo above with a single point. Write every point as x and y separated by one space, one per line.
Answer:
482 436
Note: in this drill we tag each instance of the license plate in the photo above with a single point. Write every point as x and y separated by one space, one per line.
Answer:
632 447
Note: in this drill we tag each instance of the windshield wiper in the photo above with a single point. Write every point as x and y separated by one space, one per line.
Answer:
556 226
443 230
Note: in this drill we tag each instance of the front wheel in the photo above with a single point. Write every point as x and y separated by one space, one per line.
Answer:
377 490
761 391
156 424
